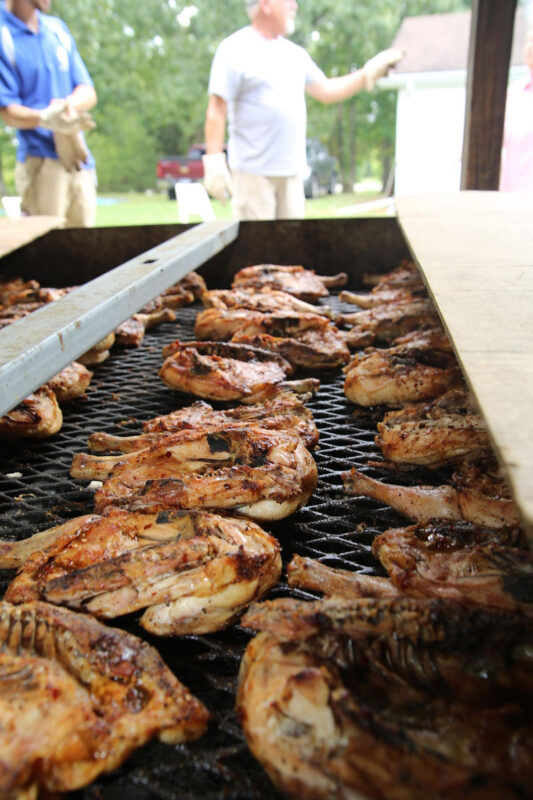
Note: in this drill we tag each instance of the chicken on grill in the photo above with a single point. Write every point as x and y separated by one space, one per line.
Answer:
284 411
434 434
38 415
190 288
228 371
192 572
404 276
308 573
77 697
382 297
457 562
302 283
264 474
131 332
386 322
10 289
71 382
423 503
388 698
318 347
399 375
266 301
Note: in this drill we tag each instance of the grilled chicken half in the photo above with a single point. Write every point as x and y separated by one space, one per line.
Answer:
263 474
285 411
398 375
434 434
384 323
77 697
389 698
302 283
405 276
318 347
423 503
39 416
266 300
190 572
227 371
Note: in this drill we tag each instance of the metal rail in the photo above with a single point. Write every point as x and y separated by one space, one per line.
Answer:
37 347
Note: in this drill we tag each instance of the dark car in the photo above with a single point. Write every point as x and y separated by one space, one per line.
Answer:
322 170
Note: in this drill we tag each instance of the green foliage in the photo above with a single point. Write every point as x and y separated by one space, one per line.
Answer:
151 72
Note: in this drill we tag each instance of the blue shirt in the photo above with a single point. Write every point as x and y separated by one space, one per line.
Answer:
36 68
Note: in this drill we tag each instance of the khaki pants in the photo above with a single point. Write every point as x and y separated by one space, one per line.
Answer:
258 197
47 188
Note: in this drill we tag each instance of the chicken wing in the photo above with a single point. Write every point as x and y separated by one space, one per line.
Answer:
227 371
300 282
423 503
284 411
77 697
192 572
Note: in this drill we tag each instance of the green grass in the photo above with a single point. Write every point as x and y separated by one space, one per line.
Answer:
157 209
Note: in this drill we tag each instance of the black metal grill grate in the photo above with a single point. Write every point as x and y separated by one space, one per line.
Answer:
37 492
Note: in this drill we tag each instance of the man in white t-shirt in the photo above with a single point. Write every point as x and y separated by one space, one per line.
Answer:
257 85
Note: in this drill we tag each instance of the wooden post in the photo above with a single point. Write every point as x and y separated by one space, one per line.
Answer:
491 38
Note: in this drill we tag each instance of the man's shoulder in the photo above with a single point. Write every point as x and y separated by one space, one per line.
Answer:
238 36
56 27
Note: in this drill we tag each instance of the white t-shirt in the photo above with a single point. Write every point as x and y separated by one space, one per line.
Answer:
263 82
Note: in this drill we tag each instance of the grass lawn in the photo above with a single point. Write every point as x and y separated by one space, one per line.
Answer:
157 209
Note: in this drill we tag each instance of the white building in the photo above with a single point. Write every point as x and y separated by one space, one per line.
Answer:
431 84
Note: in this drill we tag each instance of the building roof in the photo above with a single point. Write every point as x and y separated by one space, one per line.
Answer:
440 42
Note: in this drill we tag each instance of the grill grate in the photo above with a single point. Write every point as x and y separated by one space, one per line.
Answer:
37 493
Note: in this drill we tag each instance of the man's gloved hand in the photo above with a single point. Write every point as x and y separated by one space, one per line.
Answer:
71 150
379 65
217 178
60 117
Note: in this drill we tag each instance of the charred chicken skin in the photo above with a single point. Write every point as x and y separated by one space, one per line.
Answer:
388 698
263 474
190 572
284 411
227 371
77 697
300 282
39 416
320 347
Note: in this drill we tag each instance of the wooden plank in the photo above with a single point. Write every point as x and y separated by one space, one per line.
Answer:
491 39
475 250
35 348
15 233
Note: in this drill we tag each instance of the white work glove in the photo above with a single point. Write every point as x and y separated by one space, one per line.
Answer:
217 178
60 117
71 150
379 65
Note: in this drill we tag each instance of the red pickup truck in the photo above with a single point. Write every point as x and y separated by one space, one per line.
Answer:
171 169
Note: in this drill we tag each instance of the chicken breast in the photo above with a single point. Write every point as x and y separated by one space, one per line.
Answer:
300 282
320 347
39 416
77 697
384 323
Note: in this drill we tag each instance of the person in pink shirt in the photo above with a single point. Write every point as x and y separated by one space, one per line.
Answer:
517 154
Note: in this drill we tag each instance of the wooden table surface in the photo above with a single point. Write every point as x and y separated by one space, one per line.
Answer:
475 250
15 233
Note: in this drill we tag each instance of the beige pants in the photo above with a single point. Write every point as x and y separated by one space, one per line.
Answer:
257 197
47 188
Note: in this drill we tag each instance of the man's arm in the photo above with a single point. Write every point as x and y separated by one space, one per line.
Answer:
215 124
333 90
22 117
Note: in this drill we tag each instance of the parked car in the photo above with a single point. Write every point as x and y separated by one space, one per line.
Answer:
187 168
322 170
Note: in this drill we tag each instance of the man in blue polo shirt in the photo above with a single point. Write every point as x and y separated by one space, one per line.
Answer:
46 93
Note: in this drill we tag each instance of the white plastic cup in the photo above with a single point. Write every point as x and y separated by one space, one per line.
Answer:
12 206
